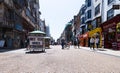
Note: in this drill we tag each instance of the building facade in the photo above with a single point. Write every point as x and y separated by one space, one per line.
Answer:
17 18
110 24
95 14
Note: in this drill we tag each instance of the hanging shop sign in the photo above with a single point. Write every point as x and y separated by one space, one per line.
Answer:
95 32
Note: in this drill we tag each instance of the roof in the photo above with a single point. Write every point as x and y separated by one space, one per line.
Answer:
37 32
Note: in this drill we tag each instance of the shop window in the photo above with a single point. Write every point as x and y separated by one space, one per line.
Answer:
90 27
118 31
118 28
111 36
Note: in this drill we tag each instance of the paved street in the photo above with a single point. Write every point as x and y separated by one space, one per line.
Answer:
56 60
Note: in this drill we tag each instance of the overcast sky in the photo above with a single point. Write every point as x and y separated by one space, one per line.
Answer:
57 13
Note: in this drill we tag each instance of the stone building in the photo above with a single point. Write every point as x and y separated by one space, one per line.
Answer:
17 18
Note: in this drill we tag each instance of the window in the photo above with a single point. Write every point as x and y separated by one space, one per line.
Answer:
110 1
94 23
89 14
88 3
82 11
83 20
110 14
97 9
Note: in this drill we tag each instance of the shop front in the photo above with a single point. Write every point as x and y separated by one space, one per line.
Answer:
47 42
84 40
96 33
111 33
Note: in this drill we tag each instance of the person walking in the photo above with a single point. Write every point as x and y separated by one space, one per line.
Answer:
75 43
97 42
62 43
92 41
78 42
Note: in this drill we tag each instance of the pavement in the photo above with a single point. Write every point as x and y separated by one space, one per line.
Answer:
104 51
99 50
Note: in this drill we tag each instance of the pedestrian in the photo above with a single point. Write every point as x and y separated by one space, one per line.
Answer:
75 43
97 42
27 41
68 44
92 41
62 43
78 42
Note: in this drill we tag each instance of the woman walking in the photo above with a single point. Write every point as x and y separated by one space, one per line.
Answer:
92 41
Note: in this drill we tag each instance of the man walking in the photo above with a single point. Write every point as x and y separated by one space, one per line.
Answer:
78 42
97 42
62 43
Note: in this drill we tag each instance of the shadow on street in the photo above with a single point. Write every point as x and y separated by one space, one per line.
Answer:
2 50
35 52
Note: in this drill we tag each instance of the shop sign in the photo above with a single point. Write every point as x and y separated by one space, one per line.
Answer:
95 31
111 30
109 25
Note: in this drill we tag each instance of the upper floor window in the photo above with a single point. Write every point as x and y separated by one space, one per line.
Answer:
89 14
110 1
88 3
83 20
82 11
97 9
110 14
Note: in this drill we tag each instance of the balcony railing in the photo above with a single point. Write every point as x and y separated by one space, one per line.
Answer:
19 3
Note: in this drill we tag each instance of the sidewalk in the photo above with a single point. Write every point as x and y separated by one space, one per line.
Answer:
105 51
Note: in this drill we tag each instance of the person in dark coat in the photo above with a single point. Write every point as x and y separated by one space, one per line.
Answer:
78 42
75 43
62 43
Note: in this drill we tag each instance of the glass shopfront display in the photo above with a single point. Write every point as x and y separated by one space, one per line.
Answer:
118 31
